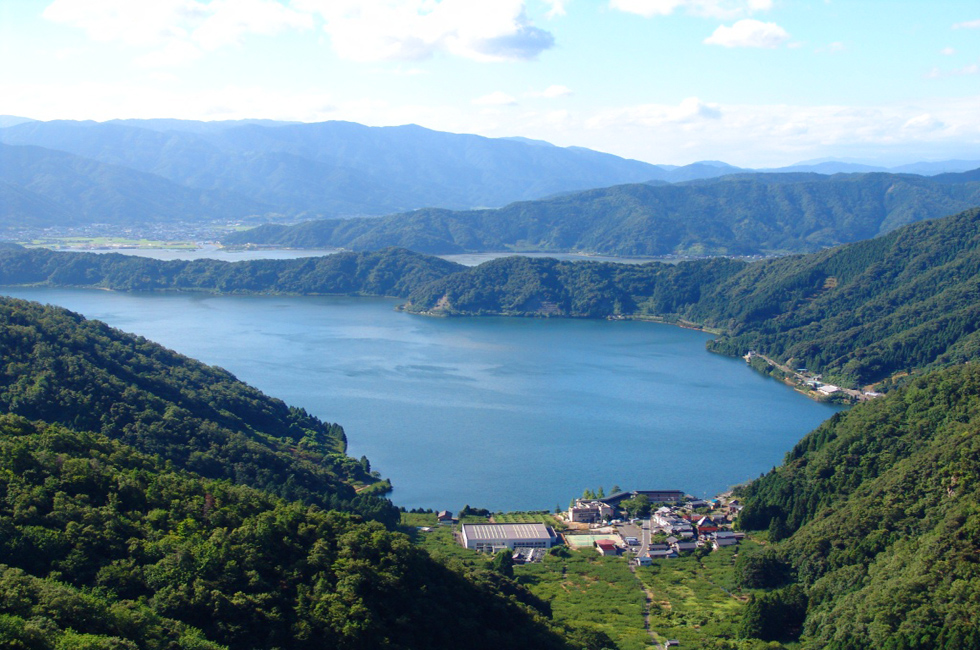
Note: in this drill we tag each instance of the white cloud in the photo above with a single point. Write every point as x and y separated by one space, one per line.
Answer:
967 70
691 112
947 51
557 8
970 24
229 20
924 122
498 98
647 8
180 29
749 33
552 92
762 135
694 129
374 30
134 23
172 54
723 9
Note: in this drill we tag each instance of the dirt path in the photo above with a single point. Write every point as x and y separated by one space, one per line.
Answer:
647 604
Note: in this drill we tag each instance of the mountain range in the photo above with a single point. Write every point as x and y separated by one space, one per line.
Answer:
325 169
133 172
739 214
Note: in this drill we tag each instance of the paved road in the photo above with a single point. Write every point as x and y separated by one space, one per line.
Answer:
634 530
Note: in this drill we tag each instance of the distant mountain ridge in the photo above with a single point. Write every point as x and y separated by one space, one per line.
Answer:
330 168
739 214
42 187
275 170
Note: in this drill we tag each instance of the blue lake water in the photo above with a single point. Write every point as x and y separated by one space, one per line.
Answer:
493 412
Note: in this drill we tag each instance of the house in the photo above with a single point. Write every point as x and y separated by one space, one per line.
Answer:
607 547
643 560
684 546
491 538
723 538
706 525
444 517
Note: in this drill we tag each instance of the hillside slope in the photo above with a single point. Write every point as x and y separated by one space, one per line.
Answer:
106 547
62 368
392 272
882 502
860 313
42 188
735 215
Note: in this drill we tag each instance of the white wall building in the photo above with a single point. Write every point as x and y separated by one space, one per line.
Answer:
496 537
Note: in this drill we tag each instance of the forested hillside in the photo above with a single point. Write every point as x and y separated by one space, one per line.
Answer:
860 313
60 367
393 272
105 547
880 508
736 215
150 501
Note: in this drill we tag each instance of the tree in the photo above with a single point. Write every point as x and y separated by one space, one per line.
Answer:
637 506
503 563
761 570
777 529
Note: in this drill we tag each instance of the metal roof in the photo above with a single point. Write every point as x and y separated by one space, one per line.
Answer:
506 531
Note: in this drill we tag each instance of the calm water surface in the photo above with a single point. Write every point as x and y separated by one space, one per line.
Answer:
492 412
229 255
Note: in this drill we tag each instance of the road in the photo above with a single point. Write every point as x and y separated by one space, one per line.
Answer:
856 394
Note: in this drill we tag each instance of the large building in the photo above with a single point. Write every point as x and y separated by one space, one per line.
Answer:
496 537
655 496
590 511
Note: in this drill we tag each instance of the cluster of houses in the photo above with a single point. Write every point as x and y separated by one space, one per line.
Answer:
684 528
676 525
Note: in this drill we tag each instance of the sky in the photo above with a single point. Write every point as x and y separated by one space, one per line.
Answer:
755 83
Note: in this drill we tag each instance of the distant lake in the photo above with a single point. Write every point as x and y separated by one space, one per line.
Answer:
492 412
228 255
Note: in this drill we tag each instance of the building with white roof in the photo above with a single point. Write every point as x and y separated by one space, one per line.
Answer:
496 537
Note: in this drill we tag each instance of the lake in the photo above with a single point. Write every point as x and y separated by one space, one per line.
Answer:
493 412
212 252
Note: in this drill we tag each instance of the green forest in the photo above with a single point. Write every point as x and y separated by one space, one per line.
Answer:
391 272
739 214
877 525
150 501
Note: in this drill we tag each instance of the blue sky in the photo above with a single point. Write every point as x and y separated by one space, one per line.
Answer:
751 82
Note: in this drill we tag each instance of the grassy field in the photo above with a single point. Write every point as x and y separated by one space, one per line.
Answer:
591 591
692 600
528 518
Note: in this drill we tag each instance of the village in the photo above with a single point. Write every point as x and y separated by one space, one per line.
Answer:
641 525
